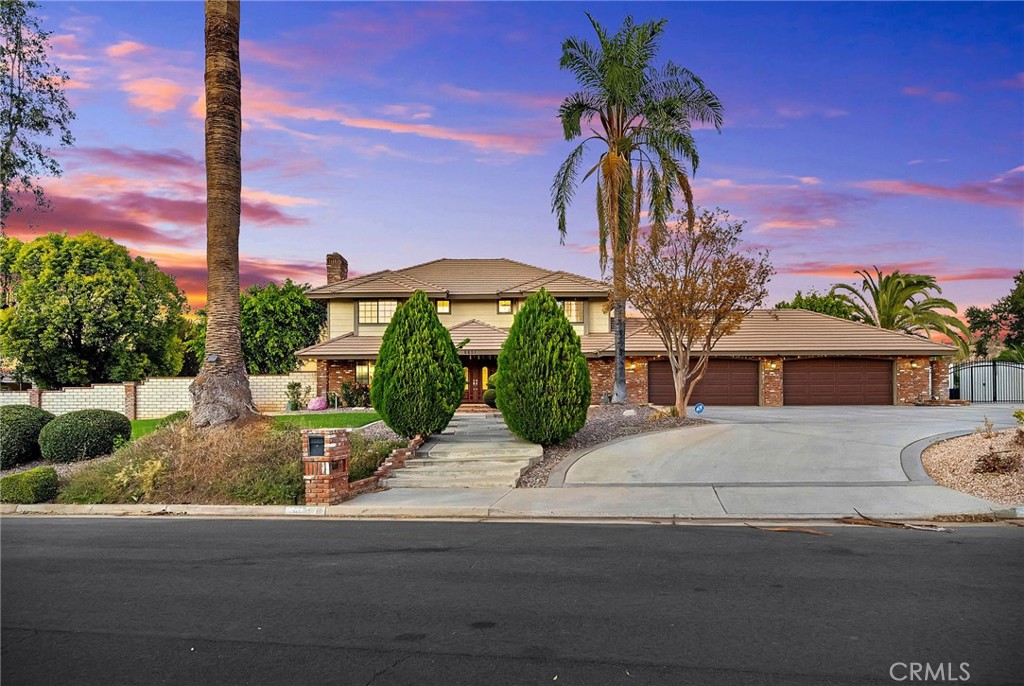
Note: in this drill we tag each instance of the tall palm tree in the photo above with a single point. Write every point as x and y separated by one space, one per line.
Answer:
640 116
220 394
902 302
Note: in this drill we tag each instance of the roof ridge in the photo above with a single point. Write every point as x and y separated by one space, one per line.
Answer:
481 322
347 282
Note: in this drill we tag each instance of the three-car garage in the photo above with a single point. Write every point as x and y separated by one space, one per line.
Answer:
811 381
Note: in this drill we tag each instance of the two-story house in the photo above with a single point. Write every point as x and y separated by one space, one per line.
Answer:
777 357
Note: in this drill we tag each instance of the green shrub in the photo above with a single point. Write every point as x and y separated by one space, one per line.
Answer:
37 485
491 397
418 381
368 454
172 418
544 386
355 394
83 434
19 433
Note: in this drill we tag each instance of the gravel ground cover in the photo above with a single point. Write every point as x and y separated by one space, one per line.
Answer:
951 463
604 423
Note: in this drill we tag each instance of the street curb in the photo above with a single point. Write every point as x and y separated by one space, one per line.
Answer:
424 512
556 477
911 456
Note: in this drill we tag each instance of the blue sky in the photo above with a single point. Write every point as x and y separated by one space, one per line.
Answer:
394 133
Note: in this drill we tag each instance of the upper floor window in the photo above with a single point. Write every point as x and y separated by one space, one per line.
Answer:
504 307
376 311
444 307
573 310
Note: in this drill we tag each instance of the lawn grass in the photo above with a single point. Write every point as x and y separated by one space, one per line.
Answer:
141 427
331 420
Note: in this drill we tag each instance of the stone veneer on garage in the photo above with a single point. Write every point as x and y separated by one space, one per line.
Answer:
911 381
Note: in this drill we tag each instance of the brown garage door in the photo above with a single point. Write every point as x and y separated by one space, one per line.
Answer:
726 382
837 381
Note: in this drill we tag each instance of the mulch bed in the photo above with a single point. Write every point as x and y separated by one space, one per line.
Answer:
604 423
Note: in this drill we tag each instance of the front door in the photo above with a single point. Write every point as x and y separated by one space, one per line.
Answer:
477 372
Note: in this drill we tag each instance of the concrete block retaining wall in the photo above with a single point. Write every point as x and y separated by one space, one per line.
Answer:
153 398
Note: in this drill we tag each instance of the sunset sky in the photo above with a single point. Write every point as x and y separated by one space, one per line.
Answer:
855 134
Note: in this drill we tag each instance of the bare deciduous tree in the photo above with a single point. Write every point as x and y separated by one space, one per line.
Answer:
695 284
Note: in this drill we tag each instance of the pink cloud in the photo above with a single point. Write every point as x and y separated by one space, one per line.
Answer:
934 267
155 94
1014 82
933 95
522 100
803 110
123 48
1006 190
144 161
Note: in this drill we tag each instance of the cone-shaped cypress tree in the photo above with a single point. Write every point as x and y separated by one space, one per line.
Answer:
543 382
418 380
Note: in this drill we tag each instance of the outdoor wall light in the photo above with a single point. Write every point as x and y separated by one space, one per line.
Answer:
773 365
915 364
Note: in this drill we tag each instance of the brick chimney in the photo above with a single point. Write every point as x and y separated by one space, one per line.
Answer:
337 268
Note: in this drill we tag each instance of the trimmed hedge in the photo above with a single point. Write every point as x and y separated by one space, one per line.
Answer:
37 485
19 434
418 381
83 434
544 384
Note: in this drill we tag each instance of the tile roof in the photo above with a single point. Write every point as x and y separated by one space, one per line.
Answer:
763 332
784 332
463 277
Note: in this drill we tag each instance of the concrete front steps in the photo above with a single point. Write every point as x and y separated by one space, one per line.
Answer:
467 464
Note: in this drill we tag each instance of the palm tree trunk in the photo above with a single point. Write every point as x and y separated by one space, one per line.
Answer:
220 394
619 323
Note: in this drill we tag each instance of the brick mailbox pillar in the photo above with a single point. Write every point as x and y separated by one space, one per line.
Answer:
325 454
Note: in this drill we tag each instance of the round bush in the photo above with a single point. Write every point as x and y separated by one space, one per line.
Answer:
491 397
19 433
83 434
418 381
544 384
37 485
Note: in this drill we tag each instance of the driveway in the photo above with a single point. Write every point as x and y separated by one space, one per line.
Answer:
790 445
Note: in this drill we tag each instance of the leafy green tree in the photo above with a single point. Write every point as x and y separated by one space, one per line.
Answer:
901 302
276 321
32 106
1003 322
543 386
826 303
9 249
86 312
640 118
418 381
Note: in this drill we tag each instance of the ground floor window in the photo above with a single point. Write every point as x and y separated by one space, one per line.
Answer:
364 372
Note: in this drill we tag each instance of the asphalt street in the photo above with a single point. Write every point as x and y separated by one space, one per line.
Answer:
187 601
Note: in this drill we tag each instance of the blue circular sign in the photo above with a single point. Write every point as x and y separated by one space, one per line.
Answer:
699 408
